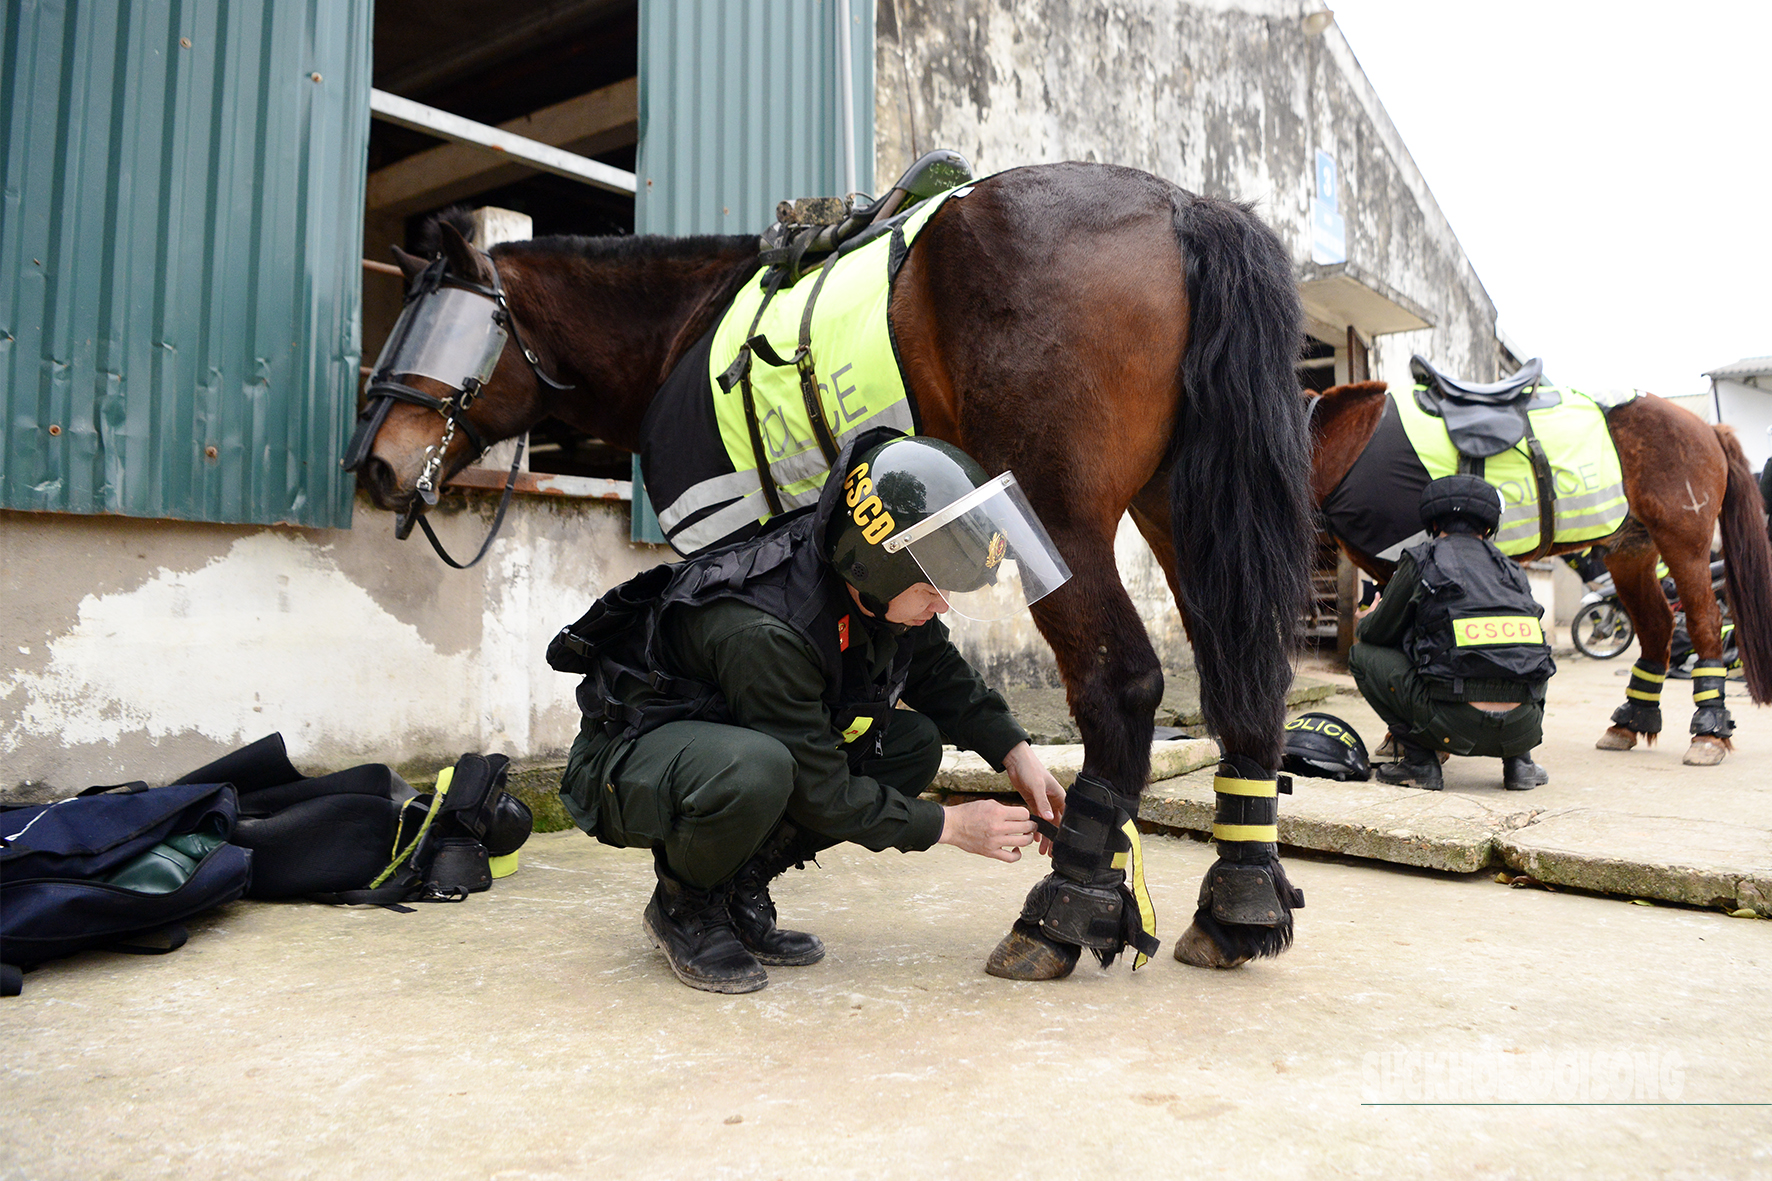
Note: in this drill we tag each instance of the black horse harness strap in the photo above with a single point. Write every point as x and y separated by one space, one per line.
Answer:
384 391
498 518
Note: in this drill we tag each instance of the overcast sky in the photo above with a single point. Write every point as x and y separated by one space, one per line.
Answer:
1607 167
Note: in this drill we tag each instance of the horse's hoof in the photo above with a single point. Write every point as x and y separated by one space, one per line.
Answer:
1027 954
1197 948
1705 751
1616 738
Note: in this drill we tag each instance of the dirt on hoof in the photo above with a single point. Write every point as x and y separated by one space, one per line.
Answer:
1705 751
1616 738
1197 948
1029 955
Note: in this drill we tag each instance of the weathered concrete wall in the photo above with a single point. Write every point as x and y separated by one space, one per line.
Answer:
1229 99
142 649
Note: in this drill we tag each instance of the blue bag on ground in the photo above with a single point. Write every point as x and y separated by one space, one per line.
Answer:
114 864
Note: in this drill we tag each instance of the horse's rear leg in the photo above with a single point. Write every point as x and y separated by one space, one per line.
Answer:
1632 563
1208 942
1711 724
1114 683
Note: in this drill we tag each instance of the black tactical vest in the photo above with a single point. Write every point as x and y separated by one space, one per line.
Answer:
1476 621
617 643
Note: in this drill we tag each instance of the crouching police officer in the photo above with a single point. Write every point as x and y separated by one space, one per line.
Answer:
740 705
1454 658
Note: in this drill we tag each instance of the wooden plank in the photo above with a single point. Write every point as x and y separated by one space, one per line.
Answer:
598 121
503 145
543 484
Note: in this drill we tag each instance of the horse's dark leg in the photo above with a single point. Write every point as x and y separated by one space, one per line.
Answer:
1113 682
1632 560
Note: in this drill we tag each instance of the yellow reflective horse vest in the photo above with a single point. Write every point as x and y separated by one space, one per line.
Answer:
1590 502
860 386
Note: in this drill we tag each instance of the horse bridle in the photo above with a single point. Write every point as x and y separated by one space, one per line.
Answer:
384 391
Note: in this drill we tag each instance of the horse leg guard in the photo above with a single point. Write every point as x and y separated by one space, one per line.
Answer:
1712 726
1641 711
1246 901
1088 900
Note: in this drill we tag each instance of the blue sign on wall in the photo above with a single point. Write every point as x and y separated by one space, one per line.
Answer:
1328 229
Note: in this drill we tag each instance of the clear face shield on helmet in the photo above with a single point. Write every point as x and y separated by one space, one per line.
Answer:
987 552
449 335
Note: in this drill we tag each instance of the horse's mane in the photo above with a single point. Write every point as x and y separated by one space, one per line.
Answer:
640 247
616 248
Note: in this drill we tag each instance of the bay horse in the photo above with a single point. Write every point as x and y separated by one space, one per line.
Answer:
1112 339
1682 477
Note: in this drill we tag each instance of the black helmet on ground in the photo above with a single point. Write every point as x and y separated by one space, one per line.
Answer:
1461 497
1322 746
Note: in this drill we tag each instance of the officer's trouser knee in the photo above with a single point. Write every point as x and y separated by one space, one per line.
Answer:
910 754
710 794
1386 679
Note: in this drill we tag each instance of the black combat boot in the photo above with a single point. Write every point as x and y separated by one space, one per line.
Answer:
694 930
753 911
1520 773
1417 766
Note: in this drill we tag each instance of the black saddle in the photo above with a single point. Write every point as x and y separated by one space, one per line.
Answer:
1482 420
812 229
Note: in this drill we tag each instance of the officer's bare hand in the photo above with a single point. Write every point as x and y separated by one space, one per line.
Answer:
1029 776
987 828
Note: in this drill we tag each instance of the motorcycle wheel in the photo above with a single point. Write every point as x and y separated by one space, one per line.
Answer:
1602 630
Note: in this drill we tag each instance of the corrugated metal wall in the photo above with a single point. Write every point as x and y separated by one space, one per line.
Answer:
741 105
179 255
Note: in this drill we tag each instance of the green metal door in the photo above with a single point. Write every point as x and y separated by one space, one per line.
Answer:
743 103
180 248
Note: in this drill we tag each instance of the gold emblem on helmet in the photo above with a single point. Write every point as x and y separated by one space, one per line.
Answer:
999 546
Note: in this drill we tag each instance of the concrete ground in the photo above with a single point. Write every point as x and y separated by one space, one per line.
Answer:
1425 1023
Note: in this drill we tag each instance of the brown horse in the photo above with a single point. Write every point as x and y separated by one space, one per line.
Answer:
1112 339
1681 477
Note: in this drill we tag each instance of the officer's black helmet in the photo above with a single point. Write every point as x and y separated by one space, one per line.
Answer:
1322 746
1470 497
886 490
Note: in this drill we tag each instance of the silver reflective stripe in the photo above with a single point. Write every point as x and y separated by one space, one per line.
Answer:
800 466
1396 551
699 496
714 526
736 515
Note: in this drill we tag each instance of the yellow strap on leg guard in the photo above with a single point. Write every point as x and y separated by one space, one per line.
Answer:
1147 913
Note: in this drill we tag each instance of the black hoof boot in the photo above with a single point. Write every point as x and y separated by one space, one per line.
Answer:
694 930
1520 773
753 911
1418 767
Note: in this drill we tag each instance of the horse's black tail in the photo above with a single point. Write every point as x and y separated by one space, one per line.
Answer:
1239 489
1747 564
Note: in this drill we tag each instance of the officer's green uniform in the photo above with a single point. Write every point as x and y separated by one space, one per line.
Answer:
711 793
1411 704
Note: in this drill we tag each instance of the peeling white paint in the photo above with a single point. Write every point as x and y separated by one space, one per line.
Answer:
269 636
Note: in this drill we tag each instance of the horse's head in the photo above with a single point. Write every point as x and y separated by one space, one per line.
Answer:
447 386
1342 421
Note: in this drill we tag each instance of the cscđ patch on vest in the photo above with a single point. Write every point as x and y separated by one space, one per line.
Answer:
1375 509
698 454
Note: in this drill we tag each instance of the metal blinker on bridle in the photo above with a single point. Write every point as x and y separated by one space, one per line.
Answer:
446 333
